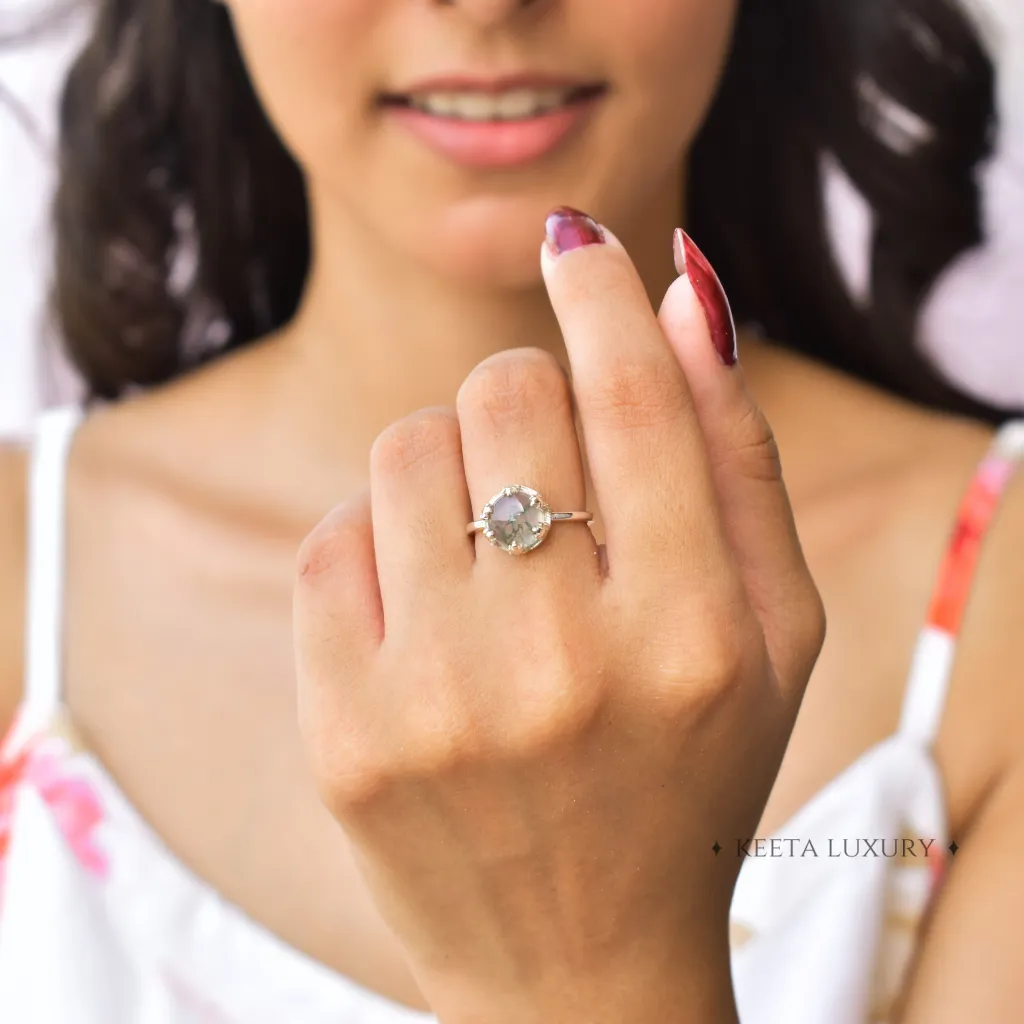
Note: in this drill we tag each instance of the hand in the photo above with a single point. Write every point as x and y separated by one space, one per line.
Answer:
533 755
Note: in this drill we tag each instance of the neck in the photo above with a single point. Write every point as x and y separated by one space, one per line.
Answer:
381 333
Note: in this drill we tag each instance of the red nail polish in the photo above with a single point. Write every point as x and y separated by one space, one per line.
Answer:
567 229
691 263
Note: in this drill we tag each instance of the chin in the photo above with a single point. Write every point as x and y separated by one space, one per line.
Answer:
494 241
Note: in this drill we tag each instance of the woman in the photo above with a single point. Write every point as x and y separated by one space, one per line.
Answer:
553 772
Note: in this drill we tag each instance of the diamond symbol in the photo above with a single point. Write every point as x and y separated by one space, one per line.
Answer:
953 848
716 848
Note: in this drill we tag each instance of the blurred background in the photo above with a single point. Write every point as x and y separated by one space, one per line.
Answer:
32 68
970 327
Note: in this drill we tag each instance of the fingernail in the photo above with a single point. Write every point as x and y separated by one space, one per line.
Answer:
692 263
567 229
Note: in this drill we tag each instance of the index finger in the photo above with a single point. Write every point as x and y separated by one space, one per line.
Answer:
644 445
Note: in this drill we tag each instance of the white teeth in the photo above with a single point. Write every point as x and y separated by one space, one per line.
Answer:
474 107
514 105
517 103
441 103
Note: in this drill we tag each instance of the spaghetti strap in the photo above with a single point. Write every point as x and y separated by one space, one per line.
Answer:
54 429
932 662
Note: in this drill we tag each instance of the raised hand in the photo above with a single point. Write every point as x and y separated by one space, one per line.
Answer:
532 755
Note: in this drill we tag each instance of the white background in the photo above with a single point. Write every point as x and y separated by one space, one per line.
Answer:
32 74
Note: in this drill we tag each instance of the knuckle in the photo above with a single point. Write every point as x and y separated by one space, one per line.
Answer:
814 622
354 787
443 748
427 752
718 671
329 544
703 665
511 385
799 634
637 394
428 435
348 776
754 448
555 711
719 660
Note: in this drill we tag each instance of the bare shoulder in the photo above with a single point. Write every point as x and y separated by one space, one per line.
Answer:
983 722
13 492
981 756
989 670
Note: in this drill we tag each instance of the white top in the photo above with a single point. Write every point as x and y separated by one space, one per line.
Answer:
101 924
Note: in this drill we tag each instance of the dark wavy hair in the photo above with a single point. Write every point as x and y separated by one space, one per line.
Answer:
181 216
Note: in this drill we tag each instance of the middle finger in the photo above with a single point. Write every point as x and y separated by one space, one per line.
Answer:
644 444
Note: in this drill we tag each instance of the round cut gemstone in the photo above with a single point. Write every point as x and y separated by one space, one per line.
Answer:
517 522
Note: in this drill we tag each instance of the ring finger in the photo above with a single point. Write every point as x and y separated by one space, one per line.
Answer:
516 419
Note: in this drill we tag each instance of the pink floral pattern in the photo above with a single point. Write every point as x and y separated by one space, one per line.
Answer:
43 762
974 516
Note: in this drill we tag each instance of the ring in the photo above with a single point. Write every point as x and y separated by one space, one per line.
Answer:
517 519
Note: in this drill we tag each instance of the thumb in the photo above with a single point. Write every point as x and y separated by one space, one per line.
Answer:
745 466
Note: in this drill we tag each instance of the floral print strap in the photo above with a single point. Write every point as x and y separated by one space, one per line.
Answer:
975 515
936 646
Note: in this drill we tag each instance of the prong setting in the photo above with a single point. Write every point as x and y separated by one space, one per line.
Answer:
516 519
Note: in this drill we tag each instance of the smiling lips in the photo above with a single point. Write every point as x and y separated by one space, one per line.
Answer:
492 123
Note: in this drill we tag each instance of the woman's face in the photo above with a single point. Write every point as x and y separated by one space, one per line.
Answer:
439 181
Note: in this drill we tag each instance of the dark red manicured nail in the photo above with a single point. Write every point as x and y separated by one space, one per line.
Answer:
691 263
567 229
